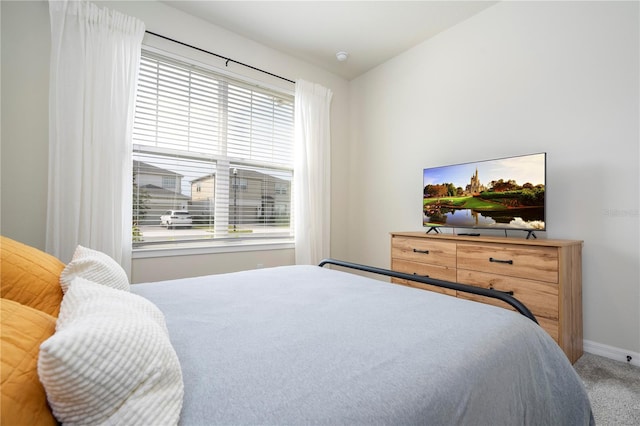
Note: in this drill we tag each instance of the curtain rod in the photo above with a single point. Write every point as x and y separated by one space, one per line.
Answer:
227 60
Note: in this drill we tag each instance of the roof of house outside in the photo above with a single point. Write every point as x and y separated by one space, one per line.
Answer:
146 168
203 178
157 192
252 174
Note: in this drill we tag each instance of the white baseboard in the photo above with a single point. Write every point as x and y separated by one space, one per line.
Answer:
611 352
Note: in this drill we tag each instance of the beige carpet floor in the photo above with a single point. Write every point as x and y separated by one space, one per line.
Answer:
614 389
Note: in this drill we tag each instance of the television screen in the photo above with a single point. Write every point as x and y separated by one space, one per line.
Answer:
505 193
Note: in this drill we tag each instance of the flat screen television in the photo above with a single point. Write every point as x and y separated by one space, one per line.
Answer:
504 193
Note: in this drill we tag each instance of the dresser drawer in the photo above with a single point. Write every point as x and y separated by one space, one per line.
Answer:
541 298
551 326
431 271
421 286
424 251
421 269
535 263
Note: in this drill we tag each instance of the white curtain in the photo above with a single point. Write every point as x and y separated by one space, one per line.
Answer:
95 55
312 173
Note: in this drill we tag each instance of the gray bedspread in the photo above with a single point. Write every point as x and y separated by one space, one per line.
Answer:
306 345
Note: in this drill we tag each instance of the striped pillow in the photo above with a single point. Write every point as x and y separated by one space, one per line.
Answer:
94 266
110 360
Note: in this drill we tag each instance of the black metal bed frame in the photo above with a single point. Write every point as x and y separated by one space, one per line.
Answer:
500 295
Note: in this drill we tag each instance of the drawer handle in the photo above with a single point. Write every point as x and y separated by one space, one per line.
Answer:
491 259
510 293
421 251
416 274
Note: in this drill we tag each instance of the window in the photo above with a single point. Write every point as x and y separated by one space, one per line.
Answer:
281 188
238 183
169 182
218 148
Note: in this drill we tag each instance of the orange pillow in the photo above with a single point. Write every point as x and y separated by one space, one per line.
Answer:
23 399
30 276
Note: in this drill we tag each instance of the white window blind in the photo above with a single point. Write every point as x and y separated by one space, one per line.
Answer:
218 147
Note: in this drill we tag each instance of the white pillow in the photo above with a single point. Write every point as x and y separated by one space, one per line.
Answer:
110 360
94 266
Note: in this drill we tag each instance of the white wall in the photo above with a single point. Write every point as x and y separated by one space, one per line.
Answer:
25 85
518 78
25 125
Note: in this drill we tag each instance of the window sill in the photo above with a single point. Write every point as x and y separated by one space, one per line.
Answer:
207 248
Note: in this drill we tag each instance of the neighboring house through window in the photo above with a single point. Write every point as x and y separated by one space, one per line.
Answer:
218 147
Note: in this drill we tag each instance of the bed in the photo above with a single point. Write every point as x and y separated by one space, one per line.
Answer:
309 345
290 345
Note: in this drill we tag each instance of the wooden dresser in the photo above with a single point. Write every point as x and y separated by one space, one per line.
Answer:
545 275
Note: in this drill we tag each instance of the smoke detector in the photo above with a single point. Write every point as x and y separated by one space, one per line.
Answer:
342 56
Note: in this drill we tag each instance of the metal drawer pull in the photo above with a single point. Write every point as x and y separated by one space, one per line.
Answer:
491 259
510 293
421 251
416 274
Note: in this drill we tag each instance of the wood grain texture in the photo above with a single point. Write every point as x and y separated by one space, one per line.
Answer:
540 297
424 251
536 263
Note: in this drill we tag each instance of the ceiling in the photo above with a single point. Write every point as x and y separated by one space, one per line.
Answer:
372 32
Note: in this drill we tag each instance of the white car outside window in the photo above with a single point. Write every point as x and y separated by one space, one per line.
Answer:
174 218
